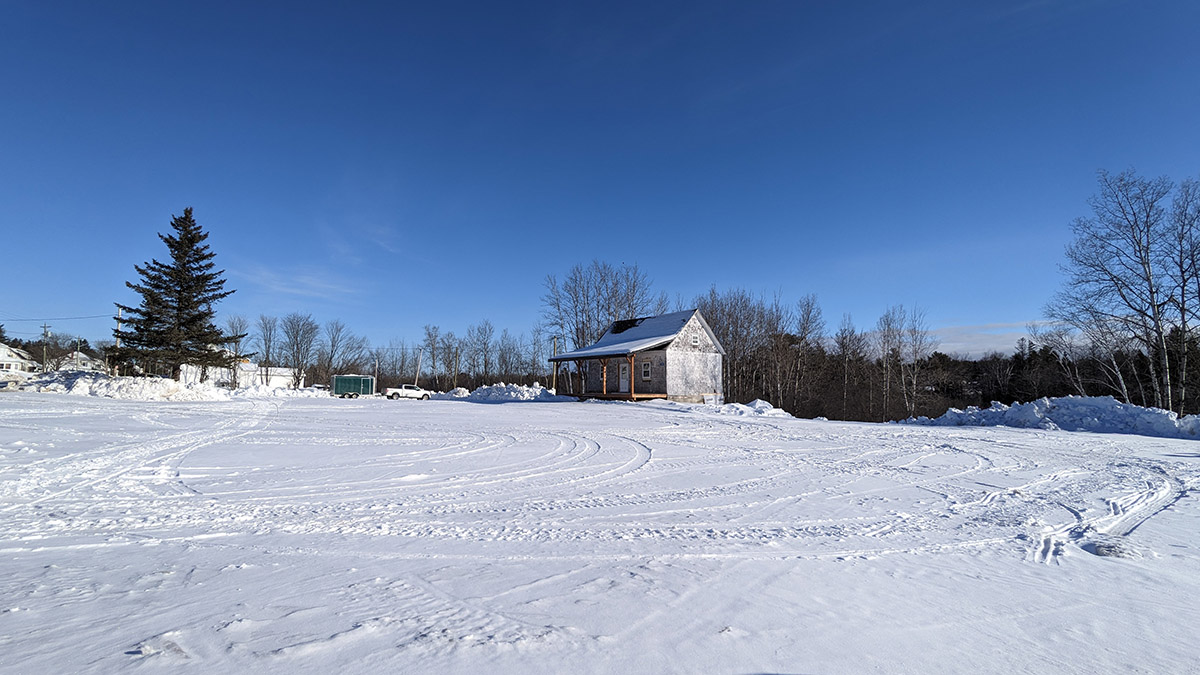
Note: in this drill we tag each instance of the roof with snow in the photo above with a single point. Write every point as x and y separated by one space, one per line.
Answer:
629 336
15 352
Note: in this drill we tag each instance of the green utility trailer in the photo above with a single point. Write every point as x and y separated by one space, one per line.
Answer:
353 386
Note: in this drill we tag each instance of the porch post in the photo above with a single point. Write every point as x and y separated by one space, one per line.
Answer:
604 376
631 392
582 377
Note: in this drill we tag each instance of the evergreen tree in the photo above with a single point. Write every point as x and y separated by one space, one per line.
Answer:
174 325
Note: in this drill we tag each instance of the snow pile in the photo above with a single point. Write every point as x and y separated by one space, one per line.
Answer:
263 391
502 393
87 383
11 379
1073 413
755 408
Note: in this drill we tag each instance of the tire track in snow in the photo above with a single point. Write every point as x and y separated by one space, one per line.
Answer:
61 477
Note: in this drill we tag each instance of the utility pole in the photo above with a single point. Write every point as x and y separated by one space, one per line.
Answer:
45 339
118 340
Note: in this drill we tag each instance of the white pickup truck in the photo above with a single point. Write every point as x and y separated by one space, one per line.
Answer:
406 391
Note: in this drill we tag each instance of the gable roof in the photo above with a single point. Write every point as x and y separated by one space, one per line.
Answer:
629 336
15 352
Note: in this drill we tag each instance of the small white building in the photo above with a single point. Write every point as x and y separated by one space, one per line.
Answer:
79 361
674 356
16 360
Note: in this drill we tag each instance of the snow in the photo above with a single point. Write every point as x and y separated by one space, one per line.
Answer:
756 408
270 534
1074 413
88 383
638 335
503 393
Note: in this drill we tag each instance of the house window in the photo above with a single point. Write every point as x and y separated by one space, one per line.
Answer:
695 340
645 371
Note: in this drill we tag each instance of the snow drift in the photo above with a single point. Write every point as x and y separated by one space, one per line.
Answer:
1101 414
502 393
88 383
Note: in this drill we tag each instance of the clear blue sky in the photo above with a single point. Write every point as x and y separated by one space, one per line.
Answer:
399 165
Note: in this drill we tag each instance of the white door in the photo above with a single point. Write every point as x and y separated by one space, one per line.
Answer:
623 378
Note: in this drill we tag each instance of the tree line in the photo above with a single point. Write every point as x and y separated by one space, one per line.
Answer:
1127 312
1123 324
312 353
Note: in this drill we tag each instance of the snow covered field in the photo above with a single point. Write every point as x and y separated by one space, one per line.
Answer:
322 535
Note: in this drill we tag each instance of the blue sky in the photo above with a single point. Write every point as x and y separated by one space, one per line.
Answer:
397 165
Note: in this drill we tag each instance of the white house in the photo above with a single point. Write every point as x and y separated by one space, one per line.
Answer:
674 356
16 360
80 361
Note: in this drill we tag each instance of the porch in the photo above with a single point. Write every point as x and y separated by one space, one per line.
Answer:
620 396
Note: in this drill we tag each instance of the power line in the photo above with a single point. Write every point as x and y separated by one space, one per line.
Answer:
62 318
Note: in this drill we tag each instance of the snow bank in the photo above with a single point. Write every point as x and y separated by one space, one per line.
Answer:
755 408
501 393
1073 413
263 391
85 383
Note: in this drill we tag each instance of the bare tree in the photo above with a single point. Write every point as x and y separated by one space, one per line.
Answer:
299 344
810 352
339 350
432 346
236 330
537 354
268 329
508 356
591 297
1069 351
1115 266
479 350
919 344
850 348
1185 268
889 341
452 350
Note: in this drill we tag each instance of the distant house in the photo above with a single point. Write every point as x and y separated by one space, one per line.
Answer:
16 360
79 361
674 356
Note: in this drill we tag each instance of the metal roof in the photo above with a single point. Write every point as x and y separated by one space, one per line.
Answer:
629 336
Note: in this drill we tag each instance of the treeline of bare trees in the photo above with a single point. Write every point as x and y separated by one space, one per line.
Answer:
583 305
297 346
481 357
784 352
1126 314
775 350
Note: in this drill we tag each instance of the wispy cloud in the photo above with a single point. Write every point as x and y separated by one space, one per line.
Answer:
382 236
305 284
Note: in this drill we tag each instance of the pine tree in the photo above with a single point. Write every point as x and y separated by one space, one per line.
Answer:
174 325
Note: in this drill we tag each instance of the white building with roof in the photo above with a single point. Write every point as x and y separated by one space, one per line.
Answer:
79 361
674 356
16 360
